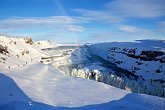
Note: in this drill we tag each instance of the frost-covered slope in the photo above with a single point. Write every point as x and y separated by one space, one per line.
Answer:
16 52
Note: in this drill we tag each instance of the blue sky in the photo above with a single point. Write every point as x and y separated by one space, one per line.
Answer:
75 21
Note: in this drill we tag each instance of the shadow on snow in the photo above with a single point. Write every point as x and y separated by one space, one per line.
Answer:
13 98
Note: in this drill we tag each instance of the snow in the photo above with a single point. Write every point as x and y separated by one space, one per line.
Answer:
57 89
21 53
148 68
43 87
84 60
35 86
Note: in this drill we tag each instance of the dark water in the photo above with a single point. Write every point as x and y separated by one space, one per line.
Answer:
62 48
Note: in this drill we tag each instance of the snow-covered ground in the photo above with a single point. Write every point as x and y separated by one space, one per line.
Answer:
28 84
43 87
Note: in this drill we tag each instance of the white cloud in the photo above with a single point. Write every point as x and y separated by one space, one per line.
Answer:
162 23
137 8
111 37
162 27
76 28
128 28
132 29
60 22
117 11
93 15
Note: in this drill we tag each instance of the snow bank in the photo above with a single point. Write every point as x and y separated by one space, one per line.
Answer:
46 88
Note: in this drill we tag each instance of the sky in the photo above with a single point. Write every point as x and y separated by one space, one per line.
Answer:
81 21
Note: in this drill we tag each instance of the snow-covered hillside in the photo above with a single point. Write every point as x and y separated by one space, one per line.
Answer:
26 83
134 66
16 52
145 58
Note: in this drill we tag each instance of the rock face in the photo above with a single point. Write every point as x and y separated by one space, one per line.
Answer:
149 56
3 50
28 41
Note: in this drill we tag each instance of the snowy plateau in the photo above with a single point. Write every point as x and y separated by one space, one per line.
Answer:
40 75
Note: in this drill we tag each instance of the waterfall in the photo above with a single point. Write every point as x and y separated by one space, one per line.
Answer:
136 86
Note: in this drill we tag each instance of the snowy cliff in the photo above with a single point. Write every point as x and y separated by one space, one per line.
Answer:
145 58
134 66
